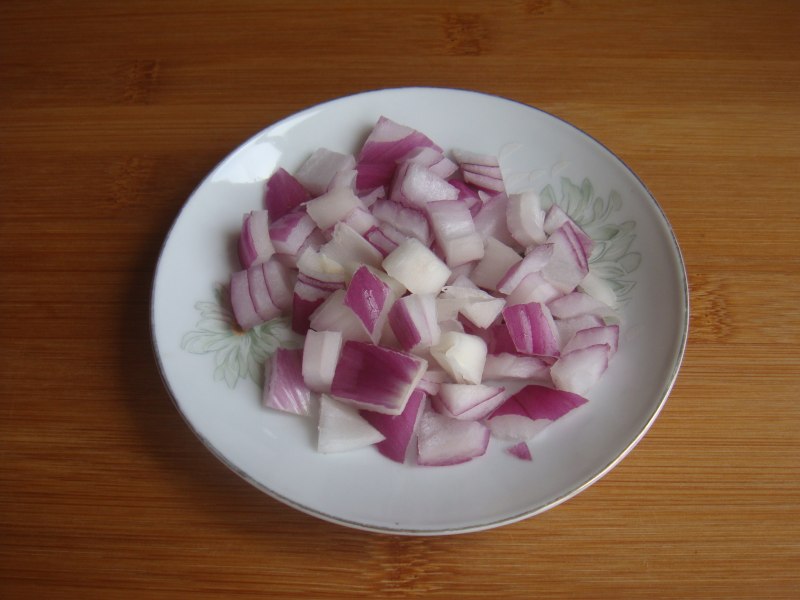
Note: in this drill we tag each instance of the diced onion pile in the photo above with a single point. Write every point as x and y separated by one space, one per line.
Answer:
435 306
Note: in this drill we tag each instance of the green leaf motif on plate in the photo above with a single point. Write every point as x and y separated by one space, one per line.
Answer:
612 258
237 354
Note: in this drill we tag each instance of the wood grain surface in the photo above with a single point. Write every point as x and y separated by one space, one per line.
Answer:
112 112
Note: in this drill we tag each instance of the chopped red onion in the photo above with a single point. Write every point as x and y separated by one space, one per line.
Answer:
533 288
283 194
350 249
532 329
416 185
397 429
520 451
289 232
259 293
403 219
286 390
255 245
413 319
370 299
376 378
244 311
541 402
516 428
607 334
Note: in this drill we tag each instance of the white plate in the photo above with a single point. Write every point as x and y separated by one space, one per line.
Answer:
210 371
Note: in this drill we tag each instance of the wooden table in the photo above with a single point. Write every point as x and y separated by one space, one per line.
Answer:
112 112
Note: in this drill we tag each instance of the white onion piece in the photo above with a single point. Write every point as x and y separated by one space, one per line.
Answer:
569 263
334 315
480 307
319 169
579 370
533 288
255 245
416 185
376 378
350 249
462 355
342 429
569 327
577 304
460 397
536 260
444 441
320 355
330 208
280 281
360 219
607 334
497 260
416 267
513 366
320 266
491 220
398 429
259 293
286 389
525 218
598 288
516 428
244 311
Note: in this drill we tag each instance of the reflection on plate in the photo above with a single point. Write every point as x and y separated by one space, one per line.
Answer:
214 373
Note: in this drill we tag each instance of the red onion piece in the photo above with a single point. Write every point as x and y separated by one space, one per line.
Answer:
577 304
289 233
244 311
413 319
520 451
376 378
286 390
283 194
398 429
387 144
541 402
255 245
532 329
513 366
369 299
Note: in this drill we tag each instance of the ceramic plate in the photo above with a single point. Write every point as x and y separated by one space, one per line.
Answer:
213 373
